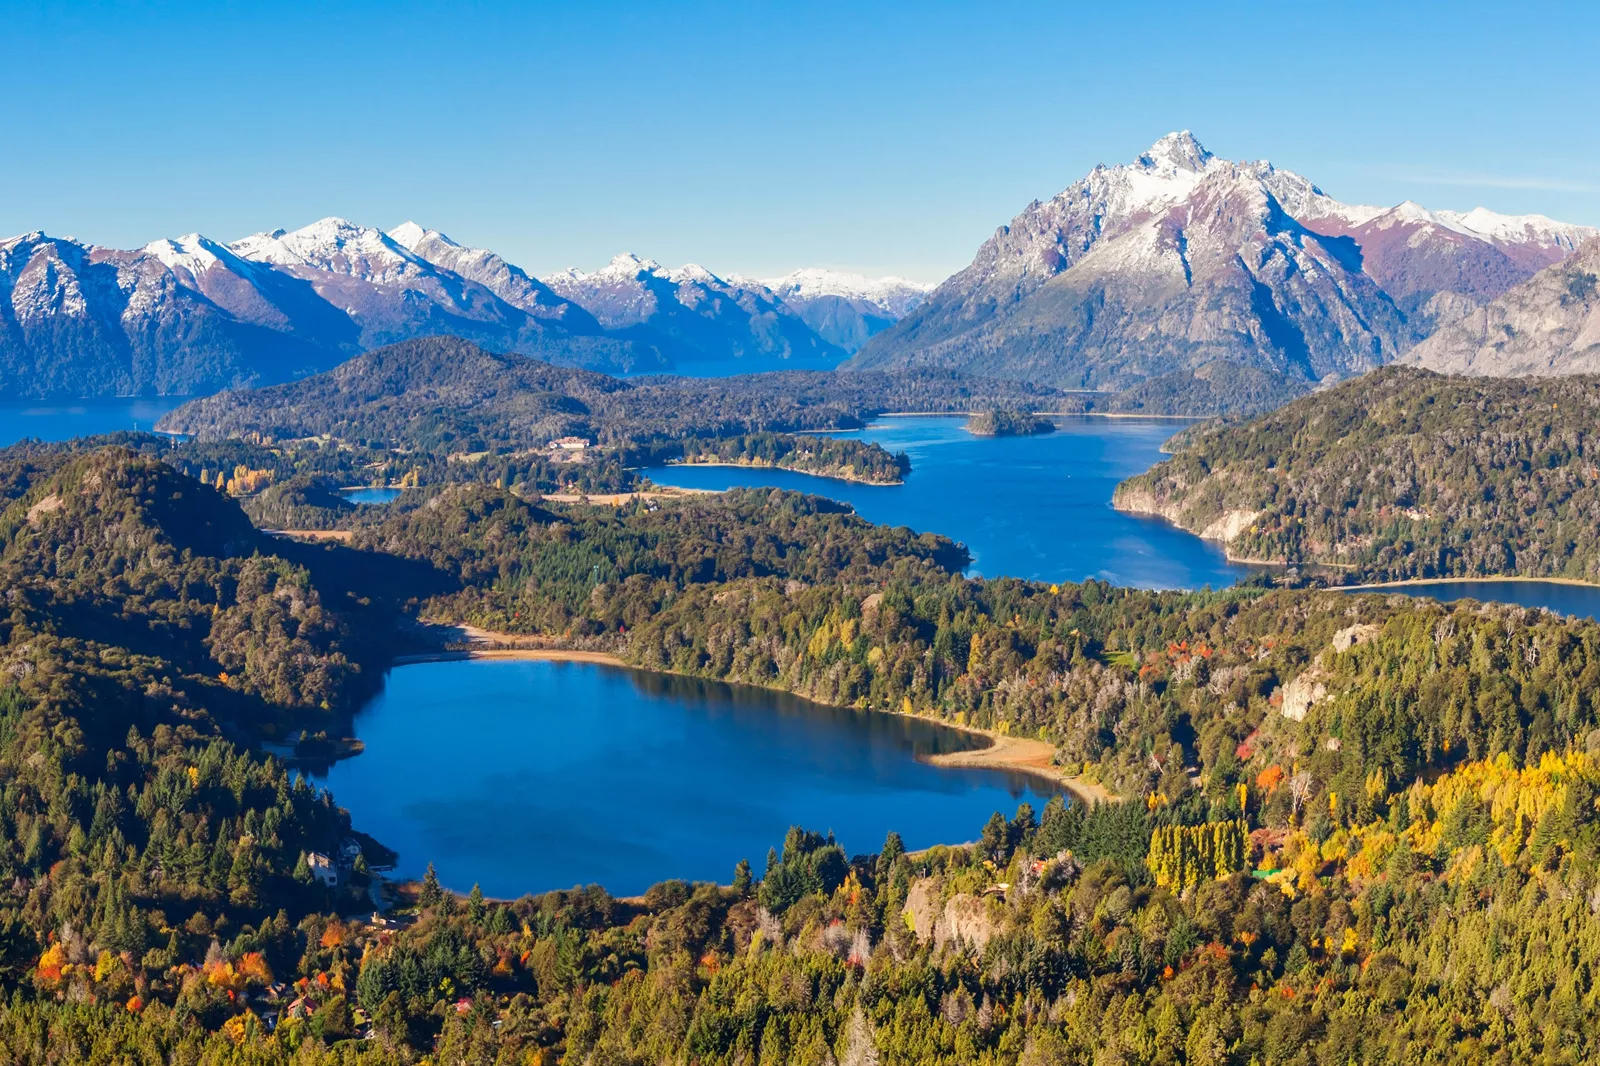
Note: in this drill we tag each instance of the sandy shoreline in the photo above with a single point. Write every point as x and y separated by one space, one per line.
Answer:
1496 580
557 655
1021 755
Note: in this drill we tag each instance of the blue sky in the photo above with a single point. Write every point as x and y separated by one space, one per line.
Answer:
757 137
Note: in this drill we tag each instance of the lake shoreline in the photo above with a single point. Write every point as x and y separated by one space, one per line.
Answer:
1499 579
554 655
1042 414
790 469
1019 755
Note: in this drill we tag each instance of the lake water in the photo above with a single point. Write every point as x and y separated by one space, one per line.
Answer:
1033 507
527 776
371 495
65 419
1579 600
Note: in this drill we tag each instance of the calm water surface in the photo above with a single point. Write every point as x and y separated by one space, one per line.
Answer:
1032 507
1579 600
65 419
528 776
371 495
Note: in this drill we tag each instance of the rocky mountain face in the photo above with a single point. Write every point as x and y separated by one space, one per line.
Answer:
847 309
1549 324
691 316
1181 259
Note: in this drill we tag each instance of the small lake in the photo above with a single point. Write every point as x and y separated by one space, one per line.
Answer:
65 419
526 776
373 495
1033 507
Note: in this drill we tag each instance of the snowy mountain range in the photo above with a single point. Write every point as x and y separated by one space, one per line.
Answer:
847 309
1175 271
694 314
1181 259
190 314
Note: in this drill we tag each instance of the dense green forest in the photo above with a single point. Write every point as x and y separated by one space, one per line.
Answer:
1353 828
1399 474
1008 422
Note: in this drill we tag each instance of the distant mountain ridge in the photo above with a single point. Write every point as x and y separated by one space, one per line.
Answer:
1182 259
693 315
193 315
848 309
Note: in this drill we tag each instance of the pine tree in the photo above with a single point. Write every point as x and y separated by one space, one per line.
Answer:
431 893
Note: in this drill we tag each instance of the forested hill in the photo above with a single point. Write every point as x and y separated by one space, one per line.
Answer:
442 393
1400 474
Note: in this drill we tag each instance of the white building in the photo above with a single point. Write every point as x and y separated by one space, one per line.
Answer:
322 869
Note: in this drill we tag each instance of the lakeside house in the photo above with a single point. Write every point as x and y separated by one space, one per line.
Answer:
323 869
570 444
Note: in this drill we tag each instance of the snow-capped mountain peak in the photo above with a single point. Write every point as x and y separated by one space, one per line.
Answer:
337 245
691 272
409 235
1174 153
192 252
630 265
893 295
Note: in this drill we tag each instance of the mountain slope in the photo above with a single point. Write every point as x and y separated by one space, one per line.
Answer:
1399 474
1180 259
1549 324
690 315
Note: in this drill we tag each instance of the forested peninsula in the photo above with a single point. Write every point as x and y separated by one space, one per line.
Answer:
446 400
1350 826
1400 474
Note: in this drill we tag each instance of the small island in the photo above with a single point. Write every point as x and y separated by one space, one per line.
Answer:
1008 422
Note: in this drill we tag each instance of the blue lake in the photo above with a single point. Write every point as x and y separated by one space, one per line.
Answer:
65 419
527 776
1033 507
373 495
1580 600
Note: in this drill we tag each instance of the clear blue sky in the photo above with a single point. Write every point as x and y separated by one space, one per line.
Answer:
757 137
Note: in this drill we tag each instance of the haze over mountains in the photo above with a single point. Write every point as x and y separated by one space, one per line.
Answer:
1181 259
193 315
1179 274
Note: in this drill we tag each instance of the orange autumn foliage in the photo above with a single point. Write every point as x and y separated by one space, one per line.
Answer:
53 962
